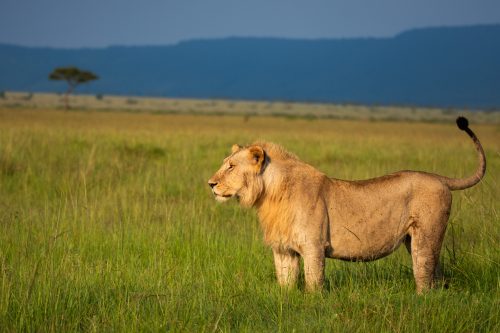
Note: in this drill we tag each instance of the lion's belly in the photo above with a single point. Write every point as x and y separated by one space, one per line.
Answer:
368 220
370 236
338 249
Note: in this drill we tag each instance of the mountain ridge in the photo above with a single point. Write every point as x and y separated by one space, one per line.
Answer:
444 67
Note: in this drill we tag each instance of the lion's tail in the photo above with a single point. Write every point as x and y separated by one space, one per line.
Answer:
463 183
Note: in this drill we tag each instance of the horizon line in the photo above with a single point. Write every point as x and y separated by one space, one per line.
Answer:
270 37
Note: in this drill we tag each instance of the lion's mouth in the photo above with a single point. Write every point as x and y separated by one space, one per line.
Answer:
222 197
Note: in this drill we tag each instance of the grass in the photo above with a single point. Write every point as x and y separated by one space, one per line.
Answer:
107 224
248 109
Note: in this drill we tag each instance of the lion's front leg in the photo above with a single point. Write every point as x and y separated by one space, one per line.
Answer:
287 267
314 268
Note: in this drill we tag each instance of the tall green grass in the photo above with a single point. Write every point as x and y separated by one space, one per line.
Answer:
107 224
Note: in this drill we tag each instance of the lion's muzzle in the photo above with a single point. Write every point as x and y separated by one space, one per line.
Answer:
221 197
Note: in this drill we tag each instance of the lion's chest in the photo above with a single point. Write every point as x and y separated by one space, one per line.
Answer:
277 225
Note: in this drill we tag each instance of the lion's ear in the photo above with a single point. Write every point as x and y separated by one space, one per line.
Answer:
235 148
257 156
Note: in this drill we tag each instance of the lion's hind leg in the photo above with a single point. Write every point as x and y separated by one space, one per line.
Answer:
438 271
425 242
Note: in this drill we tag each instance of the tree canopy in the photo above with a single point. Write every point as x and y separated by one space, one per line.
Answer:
73 76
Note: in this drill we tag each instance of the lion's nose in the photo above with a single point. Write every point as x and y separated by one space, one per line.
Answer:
211 183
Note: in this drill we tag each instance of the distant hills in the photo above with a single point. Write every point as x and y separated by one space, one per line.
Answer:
445 67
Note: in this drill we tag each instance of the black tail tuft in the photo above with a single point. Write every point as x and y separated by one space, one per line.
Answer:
463 183
462 123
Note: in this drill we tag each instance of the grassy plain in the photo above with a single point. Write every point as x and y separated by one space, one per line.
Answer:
243 108
107 224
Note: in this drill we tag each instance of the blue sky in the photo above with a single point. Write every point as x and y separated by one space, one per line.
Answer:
98 23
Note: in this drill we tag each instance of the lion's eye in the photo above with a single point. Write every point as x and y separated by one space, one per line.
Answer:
231 167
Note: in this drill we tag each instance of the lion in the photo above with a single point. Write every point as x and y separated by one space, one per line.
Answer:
304 213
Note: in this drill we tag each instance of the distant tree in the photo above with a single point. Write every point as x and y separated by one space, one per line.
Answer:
73 76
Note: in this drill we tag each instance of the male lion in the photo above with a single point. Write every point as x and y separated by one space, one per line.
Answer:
304 213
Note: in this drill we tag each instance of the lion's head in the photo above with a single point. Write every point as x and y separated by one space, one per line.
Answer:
240 175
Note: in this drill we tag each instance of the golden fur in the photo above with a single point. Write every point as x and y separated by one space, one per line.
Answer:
303 213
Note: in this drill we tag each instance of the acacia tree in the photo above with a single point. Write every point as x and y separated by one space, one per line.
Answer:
73 76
